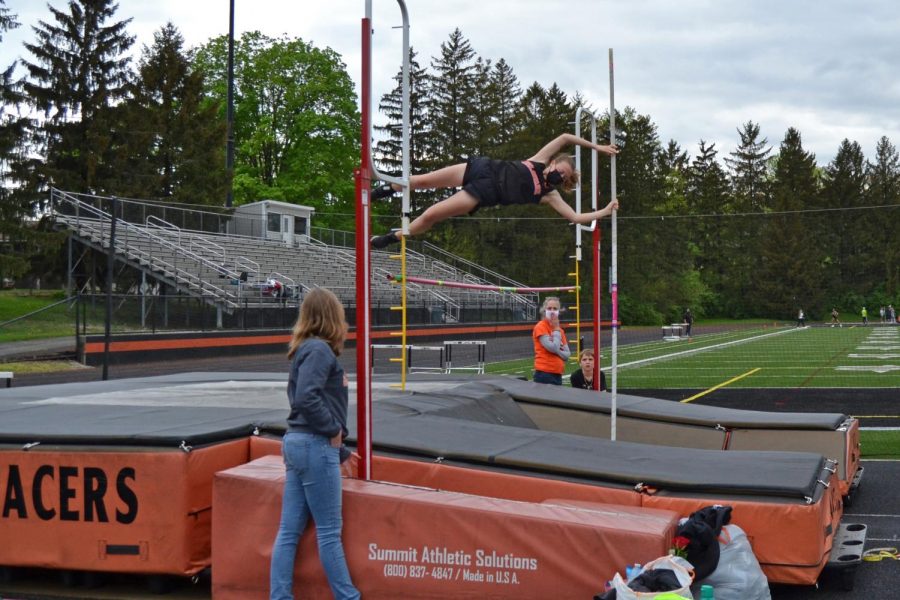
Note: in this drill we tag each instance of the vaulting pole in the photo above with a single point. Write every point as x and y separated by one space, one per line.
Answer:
614 271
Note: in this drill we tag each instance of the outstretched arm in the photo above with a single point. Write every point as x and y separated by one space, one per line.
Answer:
556 202
546 153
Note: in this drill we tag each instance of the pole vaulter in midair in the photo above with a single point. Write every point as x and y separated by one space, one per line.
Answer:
363 177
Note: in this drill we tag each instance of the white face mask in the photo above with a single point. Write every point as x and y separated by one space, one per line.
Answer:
552 312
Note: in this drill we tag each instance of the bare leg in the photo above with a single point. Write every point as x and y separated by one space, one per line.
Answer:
459 203
447 177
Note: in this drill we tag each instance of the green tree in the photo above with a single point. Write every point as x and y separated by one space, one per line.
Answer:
674 162
296 124
531 133
507 118
389 150
12 213
78 73
846 233
790 270
748 170
172 142
655 280
884 191
708 198
451 102
484 105
749 177
10 97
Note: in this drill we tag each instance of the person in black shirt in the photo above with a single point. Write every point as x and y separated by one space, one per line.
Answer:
688 319
583 378
487 182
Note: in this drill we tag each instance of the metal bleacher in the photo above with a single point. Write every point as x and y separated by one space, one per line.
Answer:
230 271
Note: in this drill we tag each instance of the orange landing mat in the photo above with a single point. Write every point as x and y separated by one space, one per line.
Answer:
115 509
409 542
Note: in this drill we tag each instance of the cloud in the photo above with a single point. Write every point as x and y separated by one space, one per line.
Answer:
699 68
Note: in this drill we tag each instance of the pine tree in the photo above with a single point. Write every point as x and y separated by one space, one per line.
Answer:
10 96
674 163
173 142
505 86
451 102
790 274
25 240
484 106
389 150
748 170
846 234
655 279
748 166
79 71
12 264
883 190
529 136
708 198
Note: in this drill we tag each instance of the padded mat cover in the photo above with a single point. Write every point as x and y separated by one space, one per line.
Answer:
775 474
658 410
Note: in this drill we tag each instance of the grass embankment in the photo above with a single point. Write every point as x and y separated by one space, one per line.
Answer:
40 366
58 321
880 444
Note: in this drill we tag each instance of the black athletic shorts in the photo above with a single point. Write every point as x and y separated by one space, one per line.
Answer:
480 181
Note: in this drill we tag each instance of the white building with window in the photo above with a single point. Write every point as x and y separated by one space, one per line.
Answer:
273 220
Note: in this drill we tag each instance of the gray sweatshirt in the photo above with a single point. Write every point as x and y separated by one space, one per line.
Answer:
316 390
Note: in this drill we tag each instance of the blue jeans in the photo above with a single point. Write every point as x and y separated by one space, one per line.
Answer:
544 377
312 486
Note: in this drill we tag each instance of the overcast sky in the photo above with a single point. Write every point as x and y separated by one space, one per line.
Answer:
699 68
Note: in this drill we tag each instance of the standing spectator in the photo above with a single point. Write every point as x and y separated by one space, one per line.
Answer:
688 319
551 350
801 318
881 313
834 318
313 446
865 316
892 315
583 378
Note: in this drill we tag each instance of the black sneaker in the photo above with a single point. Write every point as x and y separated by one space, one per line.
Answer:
382 192
380 242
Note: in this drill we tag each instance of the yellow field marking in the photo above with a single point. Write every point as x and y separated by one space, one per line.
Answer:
721 385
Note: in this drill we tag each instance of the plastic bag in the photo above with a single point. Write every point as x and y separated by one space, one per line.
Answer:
738 575
683 570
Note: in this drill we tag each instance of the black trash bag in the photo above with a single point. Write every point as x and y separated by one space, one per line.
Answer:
702 528
654 580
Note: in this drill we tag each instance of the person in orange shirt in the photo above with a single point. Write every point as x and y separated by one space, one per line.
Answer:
551 349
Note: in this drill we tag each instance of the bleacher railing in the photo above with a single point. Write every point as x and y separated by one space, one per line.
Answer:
95 223
197 241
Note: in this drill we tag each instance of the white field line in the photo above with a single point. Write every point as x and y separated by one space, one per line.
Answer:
656 345
692 351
